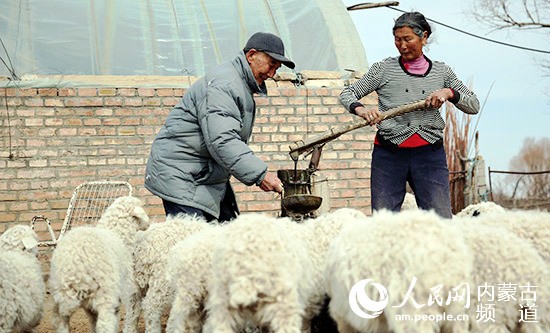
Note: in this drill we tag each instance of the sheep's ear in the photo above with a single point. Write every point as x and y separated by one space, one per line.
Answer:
29 242
140 214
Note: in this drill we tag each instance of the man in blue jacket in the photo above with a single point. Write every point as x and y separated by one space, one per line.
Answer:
204 140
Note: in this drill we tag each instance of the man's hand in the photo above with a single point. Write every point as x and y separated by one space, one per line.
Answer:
271 183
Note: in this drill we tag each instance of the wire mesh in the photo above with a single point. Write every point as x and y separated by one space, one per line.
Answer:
90 200
520 190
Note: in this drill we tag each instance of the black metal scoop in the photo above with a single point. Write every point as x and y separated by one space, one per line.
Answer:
301 203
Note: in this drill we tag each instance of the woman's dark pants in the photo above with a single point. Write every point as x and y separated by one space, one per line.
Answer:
425 168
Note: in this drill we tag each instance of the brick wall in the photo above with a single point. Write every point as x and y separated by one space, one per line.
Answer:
53 139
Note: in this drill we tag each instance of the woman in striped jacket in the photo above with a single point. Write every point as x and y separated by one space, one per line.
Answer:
409 148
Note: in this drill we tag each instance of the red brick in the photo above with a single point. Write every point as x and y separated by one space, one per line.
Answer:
84 102
34 122
170 102
146 92
87 92
107 92
114 101
47 91
28 92
67 131
129 102
127 92
67 92
53 102
165 92
33 102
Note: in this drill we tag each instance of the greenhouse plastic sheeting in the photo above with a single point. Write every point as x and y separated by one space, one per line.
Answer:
168 37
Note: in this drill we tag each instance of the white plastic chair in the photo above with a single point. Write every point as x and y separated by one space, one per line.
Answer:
88 202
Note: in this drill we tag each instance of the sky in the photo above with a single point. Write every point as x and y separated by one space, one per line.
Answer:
511 85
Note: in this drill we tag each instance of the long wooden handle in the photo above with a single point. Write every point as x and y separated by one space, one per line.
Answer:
298 147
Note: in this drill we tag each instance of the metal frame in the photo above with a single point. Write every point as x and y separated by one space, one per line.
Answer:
88 202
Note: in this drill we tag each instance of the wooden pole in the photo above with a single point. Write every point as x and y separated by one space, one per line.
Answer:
372 5
299 147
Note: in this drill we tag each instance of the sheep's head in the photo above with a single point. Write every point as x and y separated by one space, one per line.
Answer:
127 207
19 238
480 209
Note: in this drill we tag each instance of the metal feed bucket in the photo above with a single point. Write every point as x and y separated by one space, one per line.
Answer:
297 200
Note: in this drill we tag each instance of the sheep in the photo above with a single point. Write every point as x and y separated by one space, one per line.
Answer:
154 294
532 225
190 261
189 267
480 208
409 202
501 257
22 289
260 273
317 234
413 250
91 267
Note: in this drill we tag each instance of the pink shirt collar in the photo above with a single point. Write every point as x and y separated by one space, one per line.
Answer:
417 66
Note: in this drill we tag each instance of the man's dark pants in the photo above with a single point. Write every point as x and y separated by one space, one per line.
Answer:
228 208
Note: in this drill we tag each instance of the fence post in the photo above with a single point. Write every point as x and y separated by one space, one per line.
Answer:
490 184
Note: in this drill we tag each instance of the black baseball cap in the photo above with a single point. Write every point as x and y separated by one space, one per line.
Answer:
270 44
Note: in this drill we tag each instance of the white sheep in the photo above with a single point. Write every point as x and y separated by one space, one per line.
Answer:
532 225
317 234
507 262
480 208
412 250
154 293
22 289
91 267
189 273
190 264
260 273
409 202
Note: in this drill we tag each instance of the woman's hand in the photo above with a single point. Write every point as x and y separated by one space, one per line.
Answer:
438 98
372 116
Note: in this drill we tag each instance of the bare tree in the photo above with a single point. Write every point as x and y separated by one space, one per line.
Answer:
502 14
534 156
457 133
515 14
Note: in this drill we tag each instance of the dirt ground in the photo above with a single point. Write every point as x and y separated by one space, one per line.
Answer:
79 320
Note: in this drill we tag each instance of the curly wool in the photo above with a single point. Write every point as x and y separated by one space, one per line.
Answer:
154 293
91 266
502 257
317 234
189 274
391 250
531 225
22 289
259 273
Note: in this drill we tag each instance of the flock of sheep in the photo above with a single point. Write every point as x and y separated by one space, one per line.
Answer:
275 273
